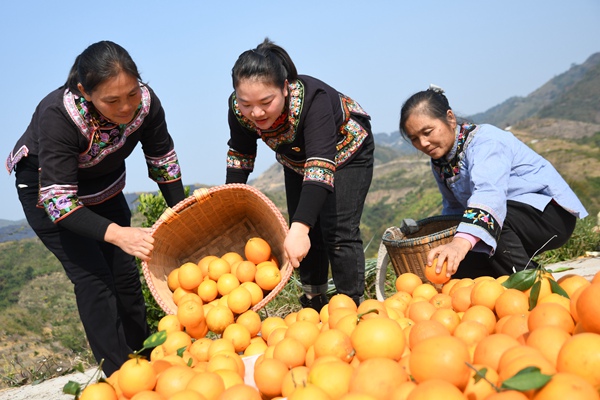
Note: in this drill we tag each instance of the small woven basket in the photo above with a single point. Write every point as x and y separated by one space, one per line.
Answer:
213 221
408 251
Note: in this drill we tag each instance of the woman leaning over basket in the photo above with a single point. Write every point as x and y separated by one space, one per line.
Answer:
323 140
70 173
513 202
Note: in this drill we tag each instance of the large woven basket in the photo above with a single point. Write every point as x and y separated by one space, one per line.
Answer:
213 221
408 251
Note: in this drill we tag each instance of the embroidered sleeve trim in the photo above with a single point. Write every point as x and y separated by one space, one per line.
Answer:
59 200
165 168
319 170
238 160
482 219
12 160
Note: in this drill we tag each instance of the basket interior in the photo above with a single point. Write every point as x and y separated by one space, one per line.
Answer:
221 222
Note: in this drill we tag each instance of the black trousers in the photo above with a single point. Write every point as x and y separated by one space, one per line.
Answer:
524 234
106 280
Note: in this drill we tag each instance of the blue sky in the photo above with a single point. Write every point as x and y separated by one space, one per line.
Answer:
378 52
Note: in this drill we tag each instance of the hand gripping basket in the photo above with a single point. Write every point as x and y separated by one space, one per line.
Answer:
213 221
407 246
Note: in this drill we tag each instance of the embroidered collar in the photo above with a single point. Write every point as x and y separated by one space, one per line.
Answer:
448 166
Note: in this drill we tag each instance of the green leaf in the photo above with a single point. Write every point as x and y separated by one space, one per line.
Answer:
555 287
528 378
181 350
155 339
559 269
72 387
480 374
79 367
521 280
534 294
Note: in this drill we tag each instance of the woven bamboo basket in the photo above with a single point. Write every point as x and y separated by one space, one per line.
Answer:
213 221
408 251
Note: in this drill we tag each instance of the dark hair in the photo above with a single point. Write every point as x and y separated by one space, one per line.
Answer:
431 102
99 62
268 62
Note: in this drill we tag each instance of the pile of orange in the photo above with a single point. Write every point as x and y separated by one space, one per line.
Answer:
213 292
422 342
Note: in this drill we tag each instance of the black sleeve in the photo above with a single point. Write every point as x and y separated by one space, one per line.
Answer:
311 202
236 176
172 192
86 223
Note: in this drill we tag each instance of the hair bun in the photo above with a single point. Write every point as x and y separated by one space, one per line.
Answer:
436 89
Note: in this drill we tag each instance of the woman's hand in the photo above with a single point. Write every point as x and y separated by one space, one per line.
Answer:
453 253
297 243
137 242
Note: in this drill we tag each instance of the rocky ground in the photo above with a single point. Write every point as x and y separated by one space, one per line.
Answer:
52 389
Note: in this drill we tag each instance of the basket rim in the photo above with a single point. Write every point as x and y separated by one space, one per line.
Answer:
199 195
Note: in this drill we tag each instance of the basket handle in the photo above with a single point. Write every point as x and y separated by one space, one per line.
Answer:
383 259
409 226
201 194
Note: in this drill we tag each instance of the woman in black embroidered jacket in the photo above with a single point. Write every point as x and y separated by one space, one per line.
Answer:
70 173
323 140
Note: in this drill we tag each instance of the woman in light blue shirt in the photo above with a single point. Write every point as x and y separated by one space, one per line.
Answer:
513 202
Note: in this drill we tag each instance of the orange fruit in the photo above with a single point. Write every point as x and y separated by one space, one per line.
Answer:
341 300
420 311
269 324
190 313
334 342
268 376
245 271
232 257
175 341
425 290
558 299
224 360
255 348
294 378
169 323
207 290
436 389
545 288
507 395
523 361
173 279
257 250
470 332
308 314
220 345
489 349
189 276
441 300
433 276
146 395
219 318
291 351
255 291
268 277
239 300
425 329
276 335
203 263
218 267
516 326
377 377
548 340
304 331
239 392
98 391
309 392
588 308
208 384
440 357
230 378
571 282
447 317
461 297
407 282
402 391
136 375
338 314
333 377
179 293
199 348
251 320
238 335
478 388
486 293
378 337
564 385
511 301
198 331
580 355
464 282
226 283
551 314
481 314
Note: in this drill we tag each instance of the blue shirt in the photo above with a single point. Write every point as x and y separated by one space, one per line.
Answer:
488 166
